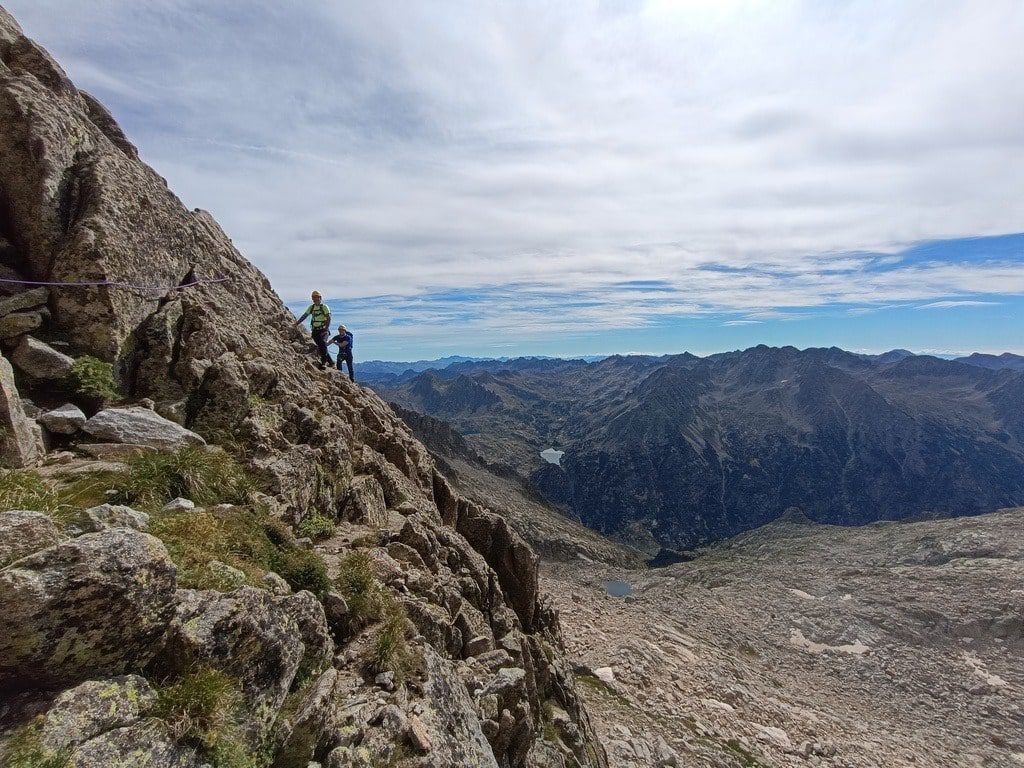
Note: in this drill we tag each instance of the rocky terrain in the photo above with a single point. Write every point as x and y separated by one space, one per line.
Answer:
550 532
890 645
679 450
212 553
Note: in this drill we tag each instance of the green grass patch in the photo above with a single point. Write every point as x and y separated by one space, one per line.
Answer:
600 686
316 526
93 380
20 489
359 587
390 650
25 749
204 476
303 569
201 709
547 719
240 538
232 535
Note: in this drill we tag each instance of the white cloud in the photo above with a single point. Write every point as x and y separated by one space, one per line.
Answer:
954 304
551 149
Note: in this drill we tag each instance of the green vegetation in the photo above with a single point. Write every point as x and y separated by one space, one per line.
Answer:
547 719
25 749
368 602
93 379
240 538
746 758
600 686
359 587
26 490
390 650
201 710
195 537
303 569
204 476
316 526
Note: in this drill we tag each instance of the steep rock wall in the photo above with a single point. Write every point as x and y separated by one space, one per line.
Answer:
225 360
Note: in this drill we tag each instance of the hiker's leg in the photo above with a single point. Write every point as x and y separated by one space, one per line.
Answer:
320 337
348 362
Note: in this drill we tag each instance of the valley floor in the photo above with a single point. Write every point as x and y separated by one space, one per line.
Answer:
889 645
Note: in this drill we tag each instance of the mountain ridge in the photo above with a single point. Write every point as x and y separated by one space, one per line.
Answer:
701 448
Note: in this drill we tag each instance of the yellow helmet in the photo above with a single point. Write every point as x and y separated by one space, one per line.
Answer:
315 295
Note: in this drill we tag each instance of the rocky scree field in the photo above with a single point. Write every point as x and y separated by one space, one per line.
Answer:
211 553
892 645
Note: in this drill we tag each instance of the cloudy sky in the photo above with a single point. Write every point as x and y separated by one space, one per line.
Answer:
591 176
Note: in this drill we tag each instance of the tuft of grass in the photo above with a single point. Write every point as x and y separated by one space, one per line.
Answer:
390 650
303 569
201 709
20 489
93 380
204 476
25 749
359 587
547 717
316 526
195 537
240 538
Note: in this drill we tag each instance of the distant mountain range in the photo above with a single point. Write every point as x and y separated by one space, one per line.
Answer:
384 371
677 450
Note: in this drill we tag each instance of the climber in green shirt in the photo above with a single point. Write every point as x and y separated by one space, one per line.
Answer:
319 325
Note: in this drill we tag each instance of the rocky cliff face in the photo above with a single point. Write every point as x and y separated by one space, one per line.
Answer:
100 634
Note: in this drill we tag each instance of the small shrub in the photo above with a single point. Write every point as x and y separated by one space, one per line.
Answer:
359 587
25 749
390 650
201 710
206 477
316 527
93 379
279 533
302 569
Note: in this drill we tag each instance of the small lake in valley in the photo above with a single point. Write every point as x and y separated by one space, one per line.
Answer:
552 456
618 588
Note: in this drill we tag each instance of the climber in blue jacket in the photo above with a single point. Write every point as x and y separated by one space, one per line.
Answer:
345 342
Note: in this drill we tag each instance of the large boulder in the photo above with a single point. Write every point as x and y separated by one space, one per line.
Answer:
507 553
140 426
65 420
113 516
38 360
95 605
144 744
245 633
309 616
23 532
301 734
94 707
21 440
449 720
366 502
19 302
20 323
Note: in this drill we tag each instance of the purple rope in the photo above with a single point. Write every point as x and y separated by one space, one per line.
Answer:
116 284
